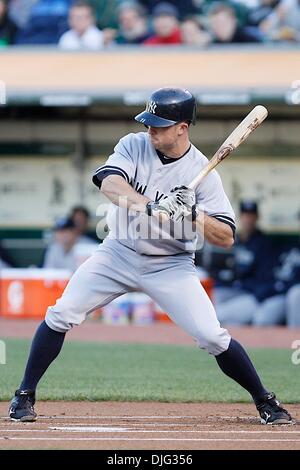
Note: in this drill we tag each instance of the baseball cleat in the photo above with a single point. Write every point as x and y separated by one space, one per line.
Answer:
21 407
271 411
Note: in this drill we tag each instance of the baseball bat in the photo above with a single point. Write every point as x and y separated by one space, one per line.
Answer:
237 136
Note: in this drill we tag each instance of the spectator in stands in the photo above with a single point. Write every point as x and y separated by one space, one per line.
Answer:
8 28
260 11
251 274
283 24
47 22
84 33
240 7
80 217
248 3
193 34
223 24
20 11
133 24
106 13
284 304
165 25
188 7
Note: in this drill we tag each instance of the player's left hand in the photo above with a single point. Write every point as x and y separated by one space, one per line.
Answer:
187 197
184 195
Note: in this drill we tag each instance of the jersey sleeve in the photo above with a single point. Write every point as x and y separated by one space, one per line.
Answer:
211 195
121 162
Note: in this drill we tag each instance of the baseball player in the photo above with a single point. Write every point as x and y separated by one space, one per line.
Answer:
146 176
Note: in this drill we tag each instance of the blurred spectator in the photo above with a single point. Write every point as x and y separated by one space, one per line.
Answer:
193 34
241 8
8 28
47 22
223 24
188 7
84 33
61 254
251 280
249 3
106 13
283 24
284 304
165 25
80 217
261 11
133 24
20 11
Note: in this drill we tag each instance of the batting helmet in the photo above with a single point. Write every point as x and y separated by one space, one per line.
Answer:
168 106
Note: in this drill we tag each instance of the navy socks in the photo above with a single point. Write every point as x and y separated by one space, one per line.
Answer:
47 343
45 347
236 363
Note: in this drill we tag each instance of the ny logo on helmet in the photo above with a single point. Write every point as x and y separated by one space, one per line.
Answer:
151 107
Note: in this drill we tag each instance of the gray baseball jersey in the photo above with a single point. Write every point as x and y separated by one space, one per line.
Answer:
154 175
122 262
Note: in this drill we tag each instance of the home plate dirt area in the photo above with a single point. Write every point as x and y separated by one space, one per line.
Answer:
114 425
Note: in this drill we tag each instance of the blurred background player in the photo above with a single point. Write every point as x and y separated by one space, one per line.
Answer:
60 253
239 289
71 246
80 216
5 261
283 304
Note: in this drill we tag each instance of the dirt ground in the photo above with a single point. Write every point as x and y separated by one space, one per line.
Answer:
155 426
111 425
156 333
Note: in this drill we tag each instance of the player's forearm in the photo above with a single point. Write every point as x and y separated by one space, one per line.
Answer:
122 194
215 232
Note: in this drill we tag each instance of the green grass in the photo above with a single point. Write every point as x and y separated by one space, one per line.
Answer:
129 372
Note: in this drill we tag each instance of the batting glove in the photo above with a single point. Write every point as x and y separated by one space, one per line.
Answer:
187 197
176 206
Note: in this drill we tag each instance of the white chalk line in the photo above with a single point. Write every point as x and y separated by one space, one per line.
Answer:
160 439
83 429
13 423
210 418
